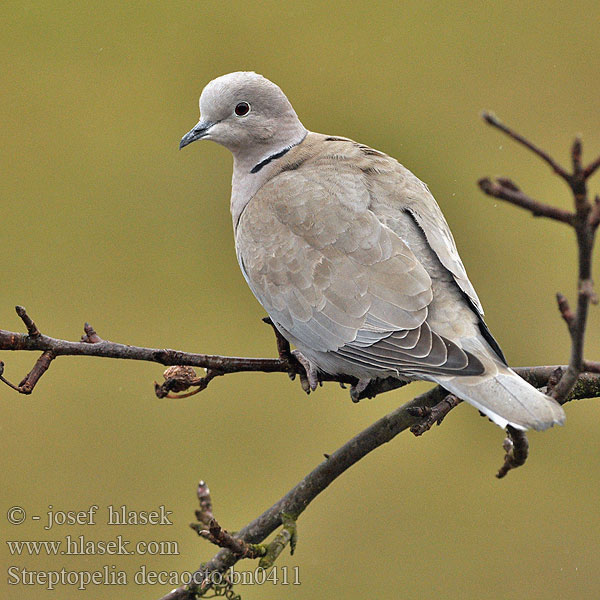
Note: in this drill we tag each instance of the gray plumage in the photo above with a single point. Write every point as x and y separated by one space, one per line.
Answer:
352 258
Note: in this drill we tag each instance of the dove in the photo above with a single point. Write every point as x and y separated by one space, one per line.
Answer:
352 258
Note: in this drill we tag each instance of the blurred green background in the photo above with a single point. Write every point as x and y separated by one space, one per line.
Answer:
104 220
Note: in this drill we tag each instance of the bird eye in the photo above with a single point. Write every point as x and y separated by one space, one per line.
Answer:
243 108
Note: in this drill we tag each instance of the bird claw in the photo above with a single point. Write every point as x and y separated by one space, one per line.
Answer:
309 377
358 388
430 416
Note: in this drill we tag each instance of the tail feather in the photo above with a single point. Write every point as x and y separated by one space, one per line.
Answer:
507 399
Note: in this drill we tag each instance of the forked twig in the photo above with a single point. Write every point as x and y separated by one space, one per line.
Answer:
584 220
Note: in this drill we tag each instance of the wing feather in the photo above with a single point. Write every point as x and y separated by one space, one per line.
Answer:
334 276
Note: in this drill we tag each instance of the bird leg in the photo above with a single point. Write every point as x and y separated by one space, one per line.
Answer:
357 389
309 378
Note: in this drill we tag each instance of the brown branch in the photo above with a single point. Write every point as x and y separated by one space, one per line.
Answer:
222 538
93 345
491 119
505 189
374 436
204 514
591 168
576 151
591 366
585 233
90 337
4 380
32 329
219 365
385 429
565 310
41 366
584 221
431 406
287 535
180 378
571 384
380 432
208 528
300 496
430 416
595 213
517 450
28 382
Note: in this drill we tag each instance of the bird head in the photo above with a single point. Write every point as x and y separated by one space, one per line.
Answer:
246 113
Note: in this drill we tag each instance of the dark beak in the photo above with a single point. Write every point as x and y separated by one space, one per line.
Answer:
199 131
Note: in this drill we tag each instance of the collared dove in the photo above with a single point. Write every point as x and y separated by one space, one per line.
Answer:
351 256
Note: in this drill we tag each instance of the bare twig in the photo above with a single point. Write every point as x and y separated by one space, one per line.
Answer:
28 382
204 514
565 310
430 407
90 337
238 547
336 463
208 528
41 366
4 380
495 122
584 221
591 168
180 378
591 366
215 364
287 535
92 345
517 449
434 415
300 496
502 189
32 329
595 213
585 232
576 150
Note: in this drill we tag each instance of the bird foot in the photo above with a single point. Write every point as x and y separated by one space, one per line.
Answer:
429 416
309 378
357 389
